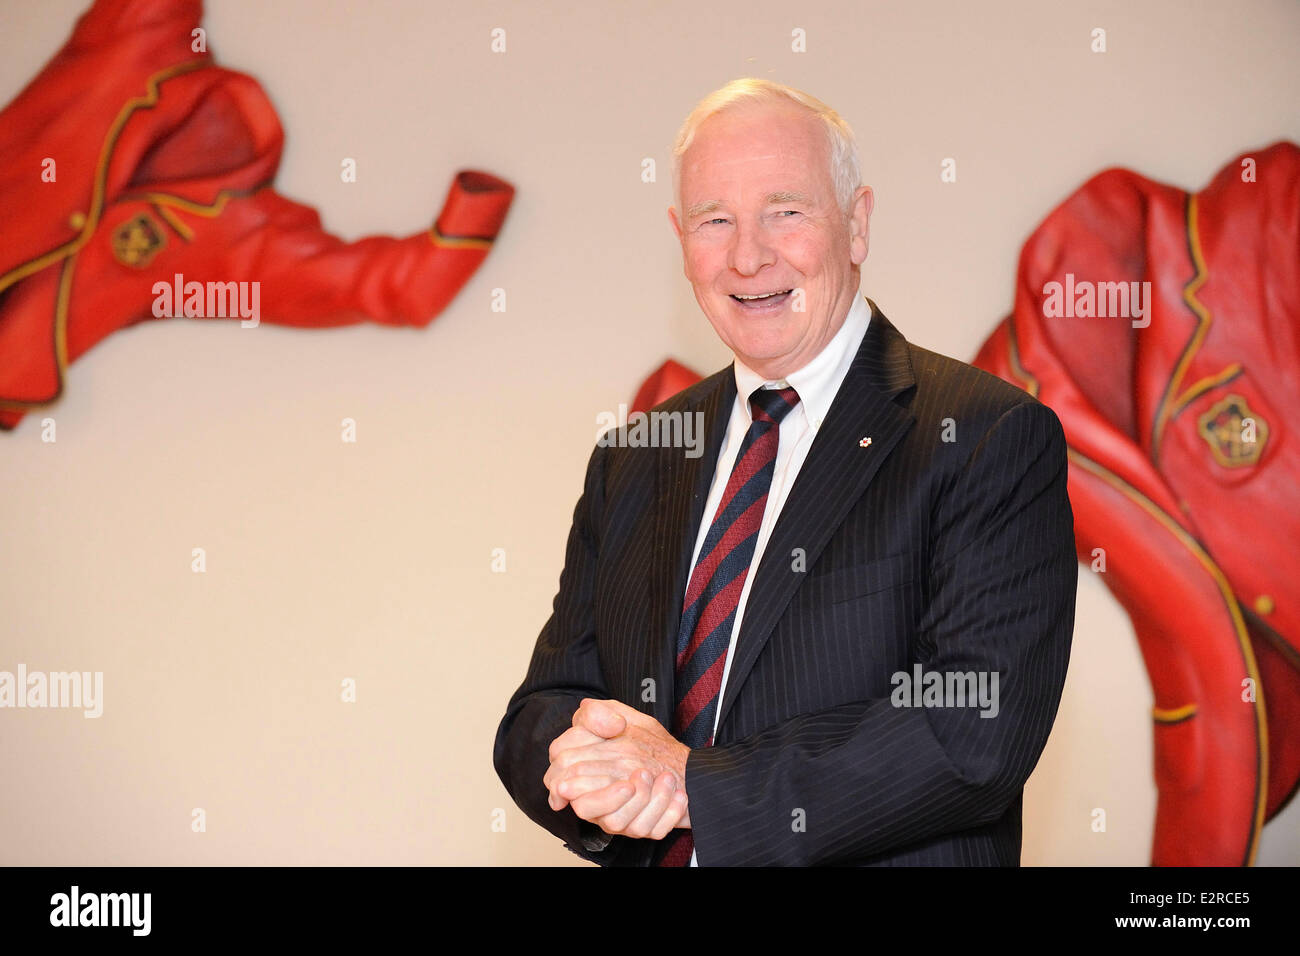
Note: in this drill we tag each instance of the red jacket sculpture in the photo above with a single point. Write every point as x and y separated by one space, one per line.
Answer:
132 158
1183 471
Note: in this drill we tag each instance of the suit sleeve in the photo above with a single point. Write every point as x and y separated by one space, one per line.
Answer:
870 777
565 668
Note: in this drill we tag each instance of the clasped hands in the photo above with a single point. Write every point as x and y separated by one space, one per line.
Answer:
621 770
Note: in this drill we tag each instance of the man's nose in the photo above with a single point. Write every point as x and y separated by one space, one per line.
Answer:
751 249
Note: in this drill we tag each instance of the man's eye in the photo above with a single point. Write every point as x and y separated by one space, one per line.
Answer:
789 212
711 221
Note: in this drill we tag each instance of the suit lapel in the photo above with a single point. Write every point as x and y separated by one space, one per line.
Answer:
833 477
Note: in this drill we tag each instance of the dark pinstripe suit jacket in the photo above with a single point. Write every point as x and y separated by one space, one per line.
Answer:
946 542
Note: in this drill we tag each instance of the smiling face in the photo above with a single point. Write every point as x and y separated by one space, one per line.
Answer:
759 217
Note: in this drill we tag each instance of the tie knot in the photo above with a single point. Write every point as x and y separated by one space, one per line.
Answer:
773 404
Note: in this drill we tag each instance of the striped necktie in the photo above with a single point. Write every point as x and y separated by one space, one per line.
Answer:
709 608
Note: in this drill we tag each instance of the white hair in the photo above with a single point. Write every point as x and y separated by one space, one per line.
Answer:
845 167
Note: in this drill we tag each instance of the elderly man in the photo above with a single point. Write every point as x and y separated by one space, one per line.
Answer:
840 634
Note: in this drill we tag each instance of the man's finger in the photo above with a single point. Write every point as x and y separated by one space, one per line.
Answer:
573 737
614 769
672 816
627 712
565 787
618 821
555 773
601 803
661 796
570 788
598 717
605 750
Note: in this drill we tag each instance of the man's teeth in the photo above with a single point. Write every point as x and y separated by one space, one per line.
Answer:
765 296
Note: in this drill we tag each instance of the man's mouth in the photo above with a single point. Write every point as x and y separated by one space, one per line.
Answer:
763 301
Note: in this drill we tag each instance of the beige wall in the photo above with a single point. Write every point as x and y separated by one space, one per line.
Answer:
372 561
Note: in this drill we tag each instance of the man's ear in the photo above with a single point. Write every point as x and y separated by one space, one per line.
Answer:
864 201
677 226
677 229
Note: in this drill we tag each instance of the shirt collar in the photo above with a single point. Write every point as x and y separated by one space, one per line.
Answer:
819 380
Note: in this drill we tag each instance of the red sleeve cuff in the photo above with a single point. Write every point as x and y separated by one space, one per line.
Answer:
476 206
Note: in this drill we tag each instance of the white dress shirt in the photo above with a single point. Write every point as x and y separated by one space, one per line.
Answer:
817 382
